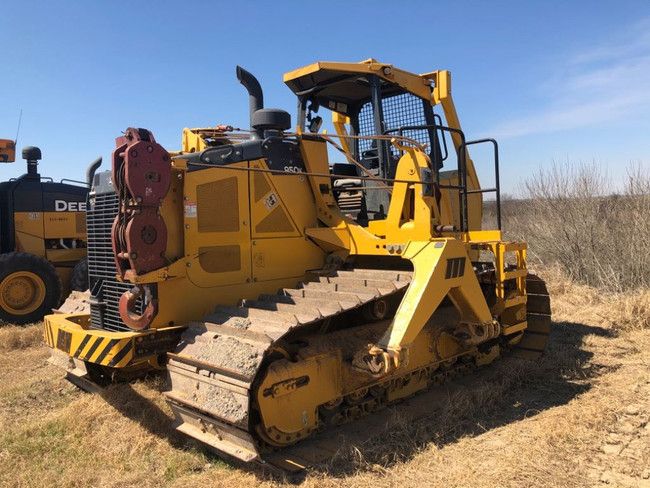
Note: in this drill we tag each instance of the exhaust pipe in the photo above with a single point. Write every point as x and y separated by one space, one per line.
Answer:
32 155
92 168
255 95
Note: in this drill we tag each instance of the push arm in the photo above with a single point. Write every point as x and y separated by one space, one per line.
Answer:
441 268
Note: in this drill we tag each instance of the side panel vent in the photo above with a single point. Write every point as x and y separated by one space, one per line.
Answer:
276 221
218 206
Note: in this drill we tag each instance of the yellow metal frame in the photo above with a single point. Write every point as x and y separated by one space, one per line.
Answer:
519 273
71 334
442 269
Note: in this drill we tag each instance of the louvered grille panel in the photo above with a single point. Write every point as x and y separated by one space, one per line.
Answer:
104 288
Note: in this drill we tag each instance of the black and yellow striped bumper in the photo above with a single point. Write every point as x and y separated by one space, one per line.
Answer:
72 335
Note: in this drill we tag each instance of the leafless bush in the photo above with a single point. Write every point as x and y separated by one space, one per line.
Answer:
572 215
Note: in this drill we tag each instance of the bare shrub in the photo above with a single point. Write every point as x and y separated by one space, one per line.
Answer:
570 215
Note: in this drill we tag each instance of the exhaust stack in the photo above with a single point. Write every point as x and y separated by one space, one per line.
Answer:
255 95
32 155
92 168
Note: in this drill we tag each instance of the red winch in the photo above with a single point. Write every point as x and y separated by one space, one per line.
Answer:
141 177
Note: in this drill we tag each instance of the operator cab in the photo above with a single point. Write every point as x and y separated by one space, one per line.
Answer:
375 100
371 102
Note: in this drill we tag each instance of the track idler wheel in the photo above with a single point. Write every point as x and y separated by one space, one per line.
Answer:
330 412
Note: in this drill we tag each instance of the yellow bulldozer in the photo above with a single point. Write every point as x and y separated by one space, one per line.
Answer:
284 294
42 239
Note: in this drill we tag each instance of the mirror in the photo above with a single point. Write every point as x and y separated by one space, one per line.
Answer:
313 106
315 124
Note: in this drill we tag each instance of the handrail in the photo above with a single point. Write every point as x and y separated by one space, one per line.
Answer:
444 141
68 180
462 170
497 188
40 178
291 173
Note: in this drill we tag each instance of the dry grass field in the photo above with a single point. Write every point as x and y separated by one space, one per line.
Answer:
577 417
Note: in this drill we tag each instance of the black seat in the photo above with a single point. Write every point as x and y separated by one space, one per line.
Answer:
345 169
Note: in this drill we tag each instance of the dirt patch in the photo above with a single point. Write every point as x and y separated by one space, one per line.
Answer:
233 354
224 404
624 456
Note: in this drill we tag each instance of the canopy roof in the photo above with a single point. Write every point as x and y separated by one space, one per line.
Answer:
344 87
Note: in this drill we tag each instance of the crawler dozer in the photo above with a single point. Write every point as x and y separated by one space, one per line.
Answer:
42 239
284 294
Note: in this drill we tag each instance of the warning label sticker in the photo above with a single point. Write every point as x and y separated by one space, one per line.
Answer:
190 210
271 201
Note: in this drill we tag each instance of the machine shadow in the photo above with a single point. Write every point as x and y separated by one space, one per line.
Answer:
506 392
132 404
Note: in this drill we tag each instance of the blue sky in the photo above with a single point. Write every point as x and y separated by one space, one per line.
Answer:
552 80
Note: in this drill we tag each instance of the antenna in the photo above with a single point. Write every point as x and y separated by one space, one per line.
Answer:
20 119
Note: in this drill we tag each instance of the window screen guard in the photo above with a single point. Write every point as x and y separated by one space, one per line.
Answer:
400 110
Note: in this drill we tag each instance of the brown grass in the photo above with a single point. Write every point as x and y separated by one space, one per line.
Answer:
20 336
579 417
625 311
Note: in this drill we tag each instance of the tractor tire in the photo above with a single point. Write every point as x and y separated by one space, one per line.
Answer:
79 280
29 288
